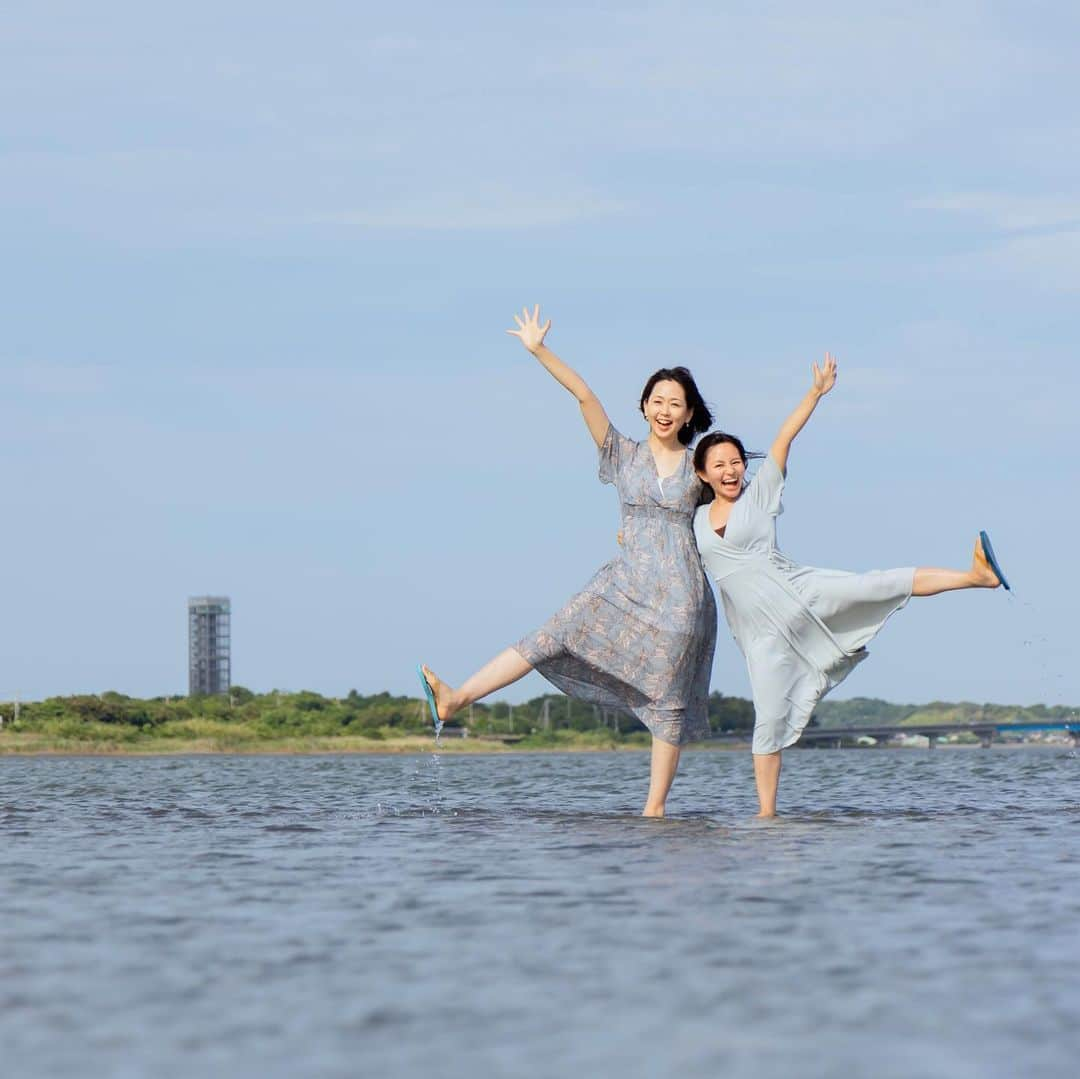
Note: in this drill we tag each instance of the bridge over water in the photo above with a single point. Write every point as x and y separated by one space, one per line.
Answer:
987 733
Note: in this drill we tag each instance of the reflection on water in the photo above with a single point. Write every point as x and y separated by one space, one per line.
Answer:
913 913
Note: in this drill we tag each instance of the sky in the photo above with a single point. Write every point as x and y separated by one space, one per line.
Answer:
259 261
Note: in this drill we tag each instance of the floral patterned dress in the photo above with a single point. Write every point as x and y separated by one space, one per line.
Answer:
640 635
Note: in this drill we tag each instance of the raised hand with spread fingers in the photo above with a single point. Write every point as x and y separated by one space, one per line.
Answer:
531 334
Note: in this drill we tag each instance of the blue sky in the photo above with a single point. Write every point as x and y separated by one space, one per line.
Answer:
258 265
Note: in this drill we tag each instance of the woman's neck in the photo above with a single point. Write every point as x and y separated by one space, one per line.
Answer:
665 445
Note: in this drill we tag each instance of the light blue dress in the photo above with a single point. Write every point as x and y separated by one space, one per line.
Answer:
802 630
640 636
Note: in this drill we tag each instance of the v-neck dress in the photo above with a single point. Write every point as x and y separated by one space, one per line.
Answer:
802 630
640 635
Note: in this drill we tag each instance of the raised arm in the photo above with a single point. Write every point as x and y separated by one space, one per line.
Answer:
824 380
531 334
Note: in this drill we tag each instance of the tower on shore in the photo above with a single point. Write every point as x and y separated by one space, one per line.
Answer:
209 664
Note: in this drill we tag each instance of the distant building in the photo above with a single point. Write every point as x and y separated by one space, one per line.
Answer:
209 670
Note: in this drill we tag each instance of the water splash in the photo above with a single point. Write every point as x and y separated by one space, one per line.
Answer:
428 774
436 779
1038 647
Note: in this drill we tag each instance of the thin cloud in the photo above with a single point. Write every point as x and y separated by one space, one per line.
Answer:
1032 238
1052 261
1009 213
55 379
495 213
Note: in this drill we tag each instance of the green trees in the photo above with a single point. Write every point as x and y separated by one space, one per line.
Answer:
248 717
730 714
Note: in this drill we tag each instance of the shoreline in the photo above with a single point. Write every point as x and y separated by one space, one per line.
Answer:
417 746
28 745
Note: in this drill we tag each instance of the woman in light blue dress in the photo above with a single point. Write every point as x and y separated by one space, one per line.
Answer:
802 630
639 636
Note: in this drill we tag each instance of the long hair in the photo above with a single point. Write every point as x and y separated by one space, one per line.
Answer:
701 451
702 418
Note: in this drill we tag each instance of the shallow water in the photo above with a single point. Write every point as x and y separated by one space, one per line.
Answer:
914 913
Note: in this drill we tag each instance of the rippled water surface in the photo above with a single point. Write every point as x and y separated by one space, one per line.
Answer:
914 914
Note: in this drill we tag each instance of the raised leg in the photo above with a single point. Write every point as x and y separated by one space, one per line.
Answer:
508 666
767 778
931 582
662 769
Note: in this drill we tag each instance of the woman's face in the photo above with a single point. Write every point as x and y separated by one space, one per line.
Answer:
666 409
724 471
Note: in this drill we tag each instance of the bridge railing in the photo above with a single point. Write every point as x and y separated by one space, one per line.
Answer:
985 732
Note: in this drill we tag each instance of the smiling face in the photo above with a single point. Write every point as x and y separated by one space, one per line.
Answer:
724 471
666 409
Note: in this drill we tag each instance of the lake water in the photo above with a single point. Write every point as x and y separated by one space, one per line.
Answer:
914 914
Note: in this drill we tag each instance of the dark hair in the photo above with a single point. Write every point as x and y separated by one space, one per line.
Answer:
717 438
701 420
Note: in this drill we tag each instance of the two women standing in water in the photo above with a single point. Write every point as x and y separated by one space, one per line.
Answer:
640 635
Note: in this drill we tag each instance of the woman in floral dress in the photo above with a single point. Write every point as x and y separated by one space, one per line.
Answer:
640 635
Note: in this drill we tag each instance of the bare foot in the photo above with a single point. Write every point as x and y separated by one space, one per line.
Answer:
982 574
649 811
765 816
444 695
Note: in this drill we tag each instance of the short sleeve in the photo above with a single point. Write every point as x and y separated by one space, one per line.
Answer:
615 453
766 487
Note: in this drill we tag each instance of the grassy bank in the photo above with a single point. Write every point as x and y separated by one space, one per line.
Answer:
208 735
202 736
306 722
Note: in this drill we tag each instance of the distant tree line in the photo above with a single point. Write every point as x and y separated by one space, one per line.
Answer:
381 715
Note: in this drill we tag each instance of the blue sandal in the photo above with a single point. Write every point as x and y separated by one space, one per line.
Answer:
430 700
988 551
